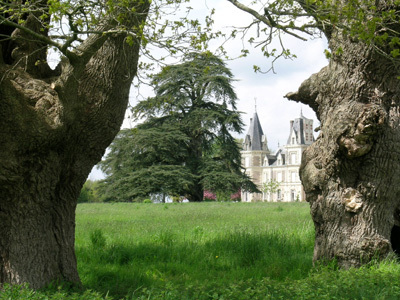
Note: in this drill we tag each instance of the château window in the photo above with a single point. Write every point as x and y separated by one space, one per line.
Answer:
279 176
293 158
293 176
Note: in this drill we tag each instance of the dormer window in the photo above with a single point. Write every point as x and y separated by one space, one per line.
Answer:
293 140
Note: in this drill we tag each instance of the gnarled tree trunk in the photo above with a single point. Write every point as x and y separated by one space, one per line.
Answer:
54 127
350 174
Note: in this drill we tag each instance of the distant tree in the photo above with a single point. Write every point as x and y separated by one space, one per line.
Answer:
89 192
144 161
270 187
184 145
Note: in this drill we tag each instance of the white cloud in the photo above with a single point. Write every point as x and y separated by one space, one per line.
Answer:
96 174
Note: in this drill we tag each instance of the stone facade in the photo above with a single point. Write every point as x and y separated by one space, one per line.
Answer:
279 171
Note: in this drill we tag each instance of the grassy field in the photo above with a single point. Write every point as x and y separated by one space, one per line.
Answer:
209 251
125 247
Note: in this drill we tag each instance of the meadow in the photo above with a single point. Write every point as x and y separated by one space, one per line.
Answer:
208 250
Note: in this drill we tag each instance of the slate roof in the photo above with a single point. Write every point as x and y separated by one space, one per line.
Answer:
255 134
298 128
271 159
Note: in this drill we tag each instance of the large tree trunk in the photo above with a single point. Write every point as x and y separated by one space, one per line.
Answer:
37 221
53 130
350 174
196 193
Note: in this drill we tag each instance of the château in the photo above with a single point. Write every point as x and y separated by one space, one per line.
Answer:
276 174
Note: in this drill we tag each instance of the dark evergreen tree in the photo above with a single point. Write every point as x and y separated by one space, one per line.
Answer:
143 161
185 144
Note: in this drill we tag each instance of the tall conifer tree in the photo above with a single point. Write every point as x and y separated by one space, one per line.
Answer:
185 143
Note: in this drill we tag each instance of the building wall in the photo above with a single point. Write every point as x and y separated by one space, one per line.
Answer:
252 161
287 175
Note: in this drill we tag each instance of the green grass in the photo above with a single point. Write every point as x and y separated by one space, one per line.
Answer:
209 251
207 244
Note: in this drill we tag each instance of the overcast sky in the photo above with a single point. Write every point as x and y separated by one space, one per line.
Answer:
274 111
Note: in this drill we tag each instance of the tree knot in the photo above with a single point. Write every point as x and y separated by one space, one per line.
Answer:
359 140
352 200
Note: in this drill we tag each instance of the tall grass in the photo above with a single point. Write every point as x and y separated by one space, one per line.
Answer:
208 251
146 246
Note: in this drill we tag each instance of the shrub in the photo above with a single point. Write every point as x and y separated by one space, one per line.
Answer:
237 196
209 196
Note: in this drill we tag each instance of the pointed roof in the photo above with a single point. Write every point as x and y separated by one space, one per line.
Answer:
297 130
255 133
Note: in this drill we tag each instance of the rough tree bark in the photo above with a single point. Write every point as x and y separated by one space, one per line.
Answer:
350 174
54 127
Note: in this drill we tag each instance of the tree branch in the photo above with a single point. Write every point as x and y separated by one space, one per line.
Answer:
39 37
269 21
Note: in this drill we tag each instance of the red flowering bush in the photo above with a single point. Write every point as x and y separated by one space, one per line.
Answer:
208 196
236 196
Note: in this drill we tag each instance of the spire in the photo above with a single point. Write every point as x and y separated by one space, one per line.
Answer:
301 112
255 104
255 133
